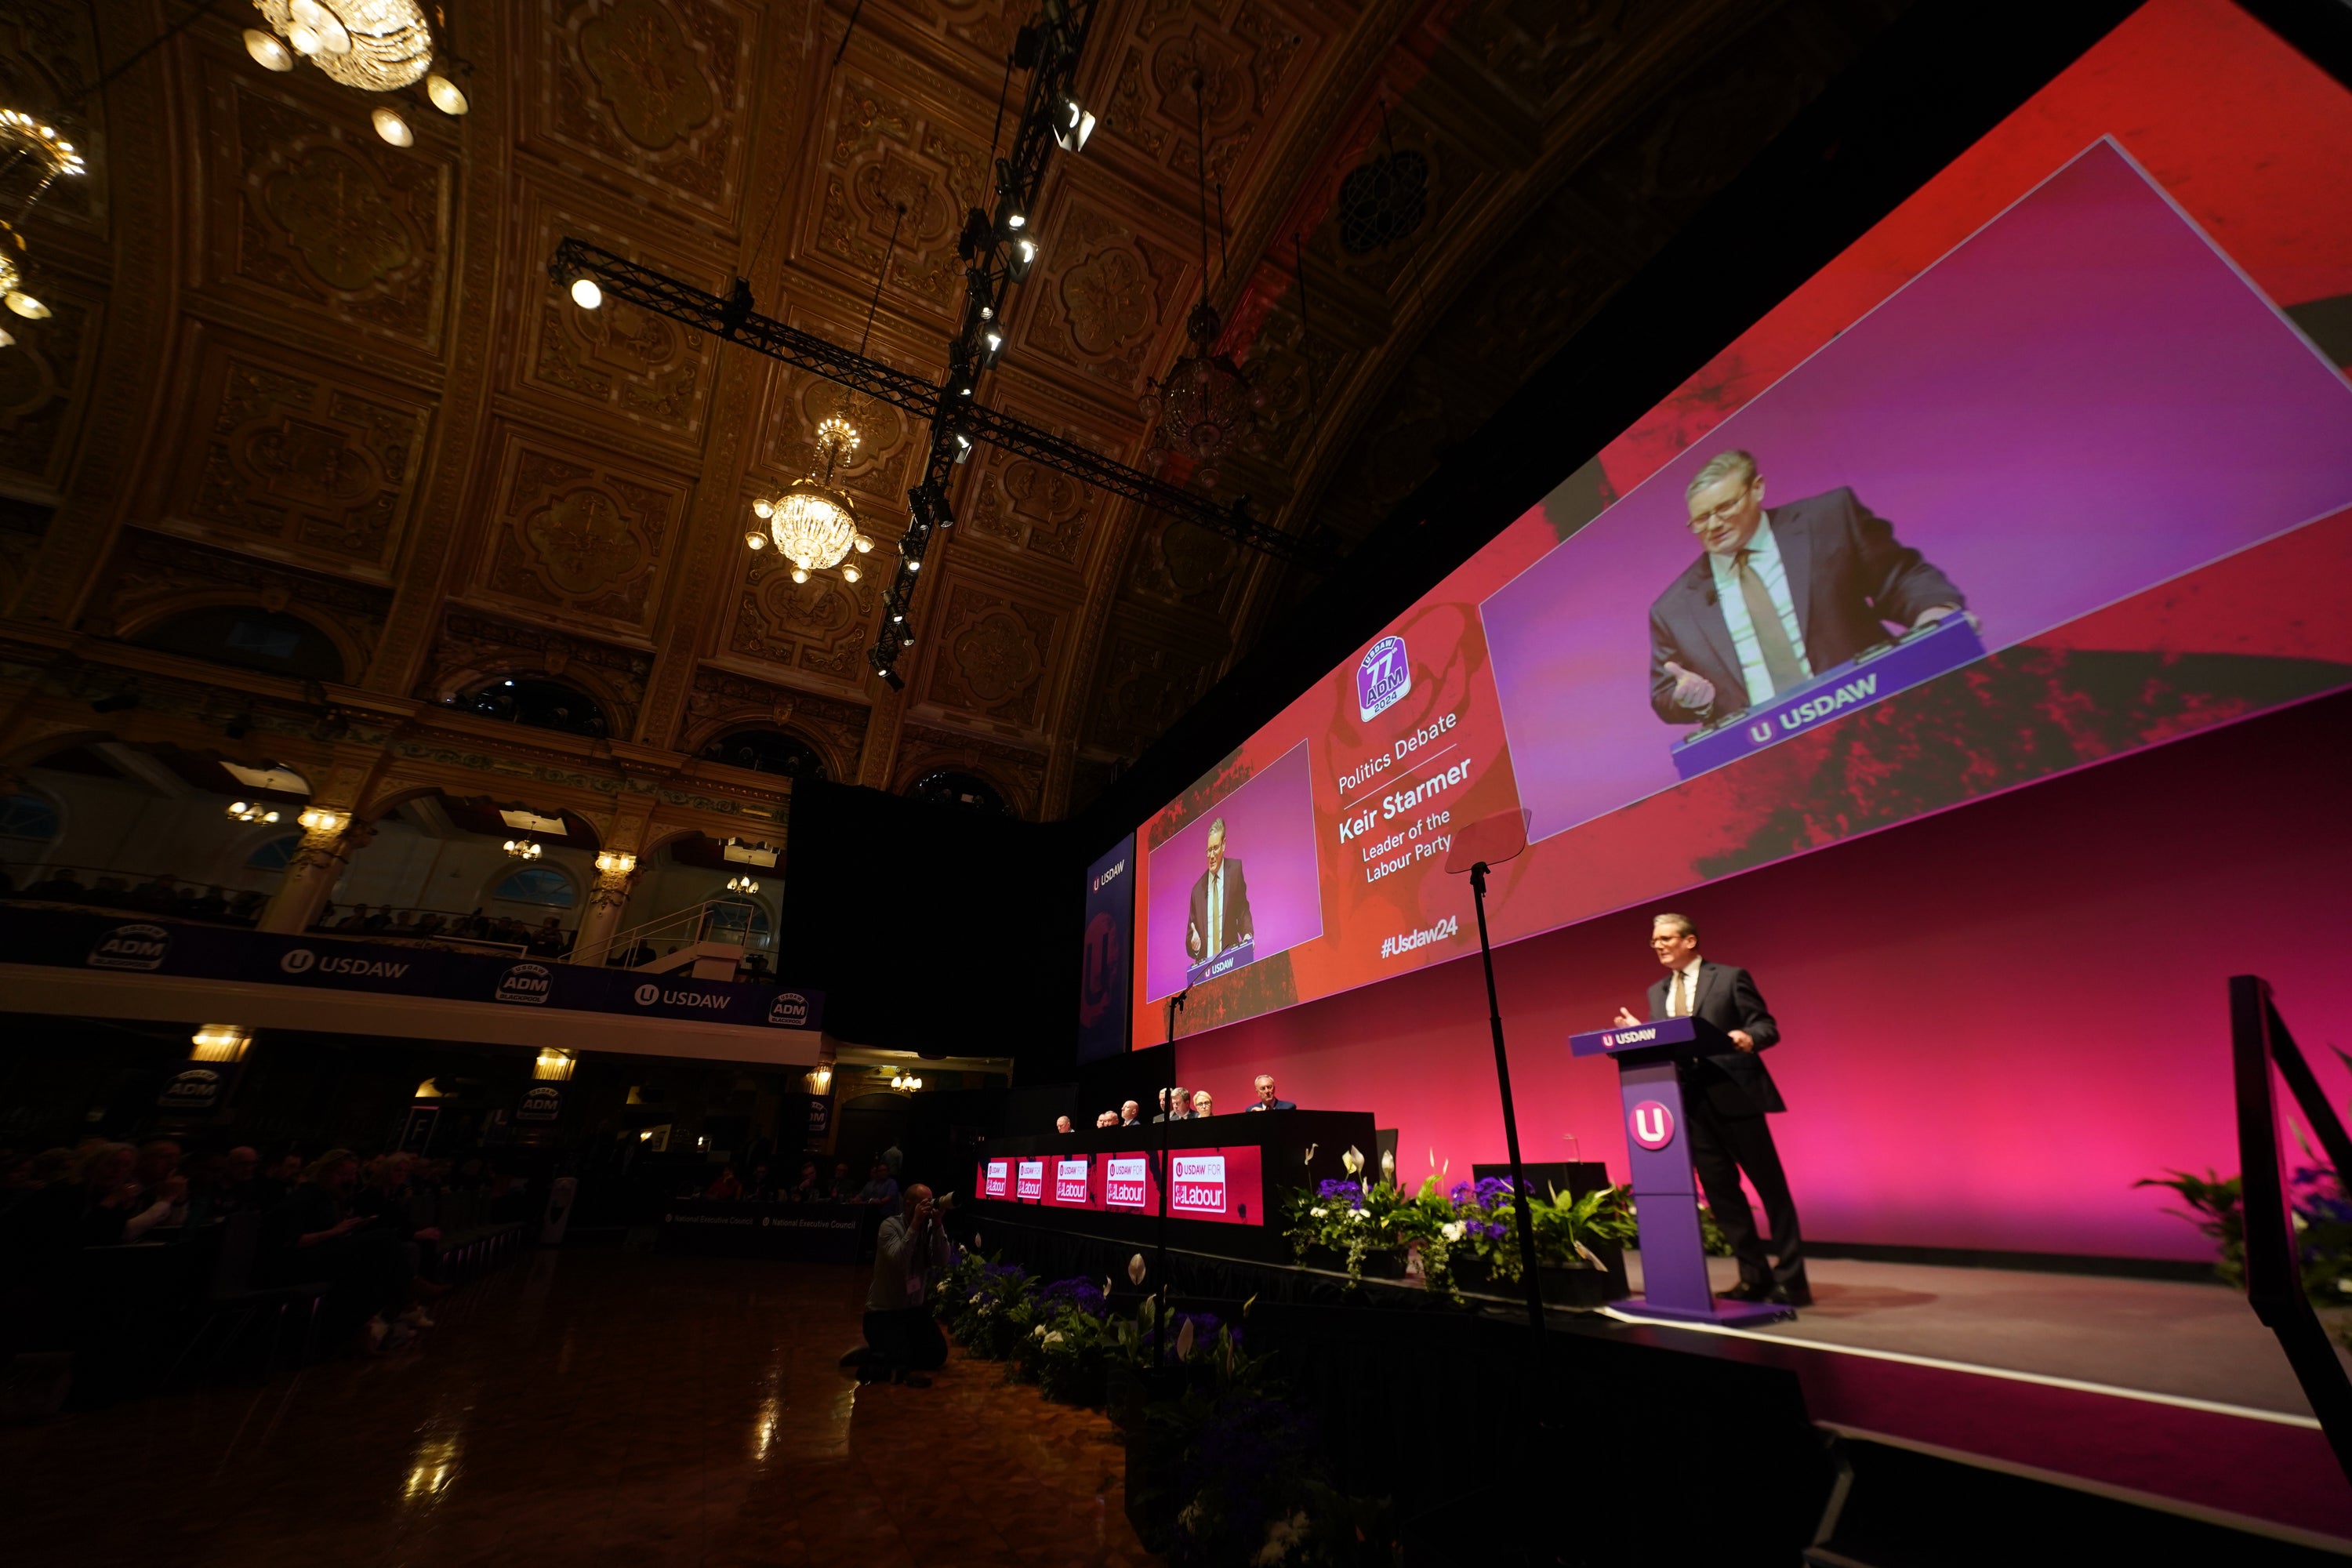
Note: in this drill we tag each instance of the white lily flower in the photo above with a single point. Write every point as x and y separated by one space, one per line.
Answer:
1054 1338
1353 1160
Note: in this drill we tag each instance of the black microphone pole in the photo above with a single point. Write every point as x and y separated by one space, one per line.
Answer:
1510 1115
1167 1134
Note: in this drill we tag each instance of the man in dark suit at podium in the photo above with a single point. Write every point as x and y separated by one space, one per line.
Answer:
1726 1097
1221 911
1776 597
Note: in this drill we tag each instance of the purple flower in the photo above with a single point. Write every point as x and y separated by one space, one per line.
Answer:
1348 1193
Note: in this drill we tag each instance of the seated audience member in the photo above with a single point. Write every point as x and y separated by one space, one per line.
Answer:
881 1187
92 1204
158 1179
843 1187
60 884
903 1341
808 1188
384 1196
315 1234
1130 1114
1202 1105
1061 1124
356 920
247 907
727 1188
282 1175
1266 1099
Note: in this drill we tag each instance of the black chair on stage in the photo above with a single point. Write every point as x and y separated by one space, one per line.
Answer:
234 1298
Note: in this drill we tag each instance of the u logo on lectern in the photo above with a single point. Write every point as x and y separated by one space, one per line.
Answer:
1652 1124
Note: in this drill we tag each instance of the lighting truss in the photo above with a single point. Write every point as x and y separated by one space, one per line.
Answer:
998 250
732 318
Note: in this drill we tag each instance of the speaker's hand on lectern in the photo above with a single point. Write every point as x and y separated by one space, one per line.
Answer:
1744 1040
1695 692
1625 1018
1192 939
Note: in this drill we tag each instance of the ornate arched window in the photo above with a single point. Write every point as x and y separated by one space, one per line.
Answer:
767 752
28 820
540 703
541 885
250 638
741 920
275 855
948 786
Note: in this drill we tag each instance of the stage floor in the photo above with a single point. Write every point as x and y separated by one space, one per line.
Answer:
2172 1391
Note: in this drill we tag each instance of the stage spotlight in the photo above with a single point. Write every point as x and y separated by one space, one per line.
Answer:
990 339
585 294
1072 124
891 677
1014 220
1024 256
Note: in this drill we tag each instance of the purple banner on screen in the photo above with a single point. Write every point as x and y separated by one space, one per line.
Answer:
2081 401
1270 829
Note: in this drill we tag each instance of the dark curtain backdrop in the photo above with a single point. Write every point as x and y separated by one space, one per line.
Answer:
931 927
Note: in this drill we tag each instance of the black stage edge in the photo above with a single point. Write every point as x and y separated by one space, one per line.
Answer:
1687 1448
2182 1268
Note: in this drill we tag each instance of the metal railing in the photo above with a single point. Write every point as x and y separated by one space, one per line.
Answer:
680 927
2259 1041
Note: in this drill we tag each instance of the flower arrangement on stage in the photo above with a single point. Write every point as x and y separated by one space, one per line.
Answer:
2215 1204
1469 1232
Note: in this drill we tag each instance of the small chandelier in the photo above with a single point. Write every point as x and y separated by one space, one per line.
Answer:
814 522
524 849
251 811
35 156
741 885
376 45
1206 406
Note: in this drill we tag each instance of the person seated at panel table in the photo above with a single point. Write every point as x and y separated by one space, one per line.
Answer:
843 1187
1061 1124
1107 1118
1220 909
761 1187
1266 1099
881 1187
726 1187
1180 1100
1203 1106
808 1188
1130 1114
1776 597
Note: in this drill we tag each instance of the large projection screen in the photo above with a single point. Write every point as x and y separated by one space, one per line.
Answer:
2053 464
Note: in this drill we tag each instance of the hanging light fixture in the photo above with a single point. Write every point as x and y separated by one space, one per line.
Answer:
524 849
1206 404
393 128
33 156
741 885
813 522
245 811
375 45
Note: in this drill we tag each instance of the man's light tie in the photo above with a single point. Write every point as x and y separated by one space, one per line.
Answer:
1781 660
1678 1004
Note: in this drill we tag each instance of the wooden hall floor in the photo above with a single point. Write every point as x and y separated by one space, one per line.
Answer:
587 1406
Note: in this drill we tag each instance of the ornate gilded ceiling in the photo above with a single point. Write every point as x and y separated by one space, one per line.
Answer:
293 366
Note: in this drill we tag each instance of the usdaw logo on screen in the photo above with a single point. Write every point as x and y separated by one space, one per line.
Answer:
1199 1186
1382 676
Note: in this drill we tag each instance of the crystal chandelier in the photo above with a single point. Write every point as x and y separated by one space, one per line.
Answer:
813 523
377 45
1206 404
35 156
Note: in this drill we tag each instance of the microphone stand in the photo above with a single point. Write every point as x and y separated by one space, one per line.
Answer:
1167 1137
1510 1115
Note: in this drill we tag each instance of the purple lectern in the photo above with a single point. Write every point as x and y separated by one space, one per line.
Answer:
1665 1189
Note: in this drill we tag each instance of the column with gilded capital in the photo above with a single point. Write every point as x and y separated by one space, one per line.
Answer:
616 873
329 837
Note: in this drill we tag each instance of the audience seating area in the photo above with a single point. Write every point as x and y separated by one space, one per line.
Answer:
121 1271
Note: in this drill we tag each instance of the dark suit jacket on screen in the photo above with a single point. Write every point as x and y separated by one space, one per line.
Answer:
1237 909
1847 573
1735 1083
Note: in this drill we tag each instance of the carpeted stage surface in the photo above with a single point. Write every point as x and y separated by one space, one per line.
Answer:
586 1407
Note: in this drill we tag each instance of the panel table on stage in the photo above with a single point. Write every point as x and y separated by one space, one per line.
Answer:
814 1233
1225 1177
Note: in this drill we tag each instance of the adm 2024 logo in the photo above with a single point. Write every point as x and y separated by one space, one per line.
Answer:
1382 677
